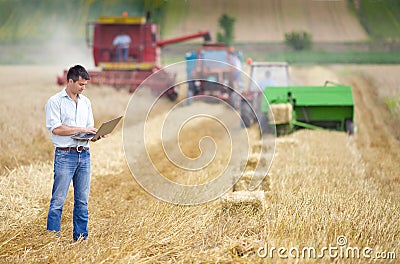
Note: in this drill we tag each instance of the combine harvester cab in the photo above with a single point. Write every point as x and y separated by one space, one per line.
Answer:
143 54
289 107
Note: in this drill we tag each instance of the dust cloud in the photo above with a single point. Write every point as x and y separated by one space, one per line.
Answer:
64 47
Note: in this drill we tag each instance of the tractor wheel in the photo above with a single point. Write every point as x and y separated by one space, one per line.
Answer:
349 126
172 95
246 113
264 123
234 100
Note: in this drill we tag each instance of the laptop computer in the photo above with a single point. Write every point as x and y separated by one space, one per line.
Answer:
105 128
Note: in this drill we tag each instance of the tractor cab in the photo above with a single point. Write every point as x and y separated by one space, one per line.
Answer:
262 75
212 73
266 74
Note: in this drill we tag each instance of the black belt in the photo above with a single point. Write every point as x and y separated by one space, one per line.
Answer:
77 148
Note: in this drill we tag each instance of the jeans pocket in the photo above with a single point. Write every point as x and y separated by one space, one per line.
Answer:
61 156
61 153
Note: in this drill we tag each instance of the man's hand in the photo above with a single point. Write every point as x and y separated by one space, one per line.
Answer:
94 140
64 130
90 130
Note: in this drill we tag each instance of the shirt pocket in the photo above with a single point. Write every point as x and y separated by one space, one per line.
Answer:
82 114
68 113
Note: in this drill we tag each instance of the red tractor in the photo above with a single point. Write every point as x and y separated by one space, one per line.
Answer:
143 53
212 73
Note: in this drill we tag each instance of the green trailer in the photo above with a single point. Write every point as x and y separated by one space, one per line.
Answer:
291 107
330 106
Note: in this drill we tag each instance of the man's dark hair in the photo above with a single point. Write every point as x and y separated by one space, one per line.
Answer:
76 71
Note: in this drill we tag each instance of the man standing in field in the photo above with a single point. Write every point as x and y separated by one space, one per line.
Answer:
69 112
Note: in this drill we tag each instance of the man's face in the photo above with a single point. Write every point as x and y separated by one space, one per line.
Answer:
79 86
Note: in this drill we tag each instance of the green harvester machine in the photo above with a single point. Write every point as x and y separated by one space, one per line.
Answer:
290 108
329 106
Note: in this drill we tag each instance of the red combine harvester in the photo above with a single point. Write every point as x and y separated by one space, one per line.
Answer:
143 54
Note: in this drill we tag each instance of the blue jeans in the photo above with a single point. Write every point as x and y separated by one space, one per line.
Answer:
70 166
122 54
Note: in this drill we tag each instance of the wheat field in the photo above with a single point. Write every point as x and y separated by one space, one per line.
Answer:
324 186
268 20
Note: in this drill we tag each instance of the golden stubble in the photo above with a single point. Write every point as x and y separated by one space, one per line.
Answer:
323 185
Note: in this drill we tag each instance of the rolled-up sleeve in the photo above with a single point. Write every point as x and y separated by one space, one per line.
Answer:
53 118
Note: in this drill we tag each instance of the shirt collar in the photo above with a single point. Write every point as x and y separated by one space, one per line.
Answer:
64 94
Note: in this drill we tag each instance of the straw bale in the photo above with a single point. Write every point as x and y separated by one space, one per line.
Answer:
253 160
282 113
249 202
244 182
257 146
287 141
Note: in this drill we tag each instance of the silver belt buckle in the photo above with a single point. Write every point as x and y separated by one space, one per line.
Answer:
77 149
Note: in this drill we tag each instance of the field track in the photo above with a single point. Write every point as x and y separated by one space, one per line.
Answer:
324 184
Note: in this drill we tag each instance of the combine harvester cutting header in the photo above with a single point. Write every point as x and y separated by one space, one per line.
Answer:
143 54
